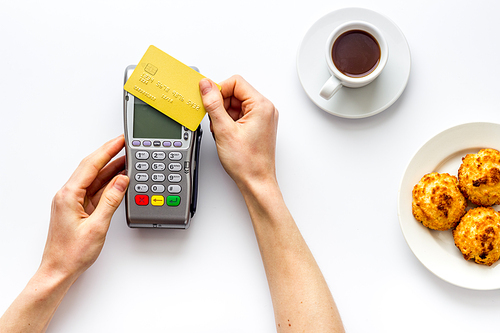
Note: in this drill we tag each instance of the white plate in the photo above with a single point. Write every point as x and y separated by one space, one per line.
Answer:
436 250
361 102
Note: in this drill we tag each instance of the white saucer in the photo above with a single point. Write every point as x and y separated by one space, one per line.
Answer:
361 102
436 250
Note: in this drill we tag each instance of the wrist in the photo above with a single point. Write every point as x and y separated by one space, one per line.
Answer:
52 280
264 201
260 189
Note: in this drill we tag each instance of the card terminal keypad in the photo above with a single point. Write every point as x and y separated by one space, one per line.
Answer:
157 176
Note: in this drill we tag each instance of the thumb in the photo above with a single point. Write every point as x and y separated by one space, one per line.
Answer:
111 198
214 104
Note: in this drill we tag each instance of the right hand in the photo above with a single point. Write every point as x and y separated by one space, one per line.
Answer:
244 124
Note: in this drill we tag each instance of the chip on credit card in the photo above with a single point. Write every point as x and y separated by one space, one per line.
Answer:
169 86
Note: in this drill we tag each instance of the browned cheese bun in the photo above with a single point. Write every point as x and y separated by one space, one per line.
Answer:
479 177
478 235
437 201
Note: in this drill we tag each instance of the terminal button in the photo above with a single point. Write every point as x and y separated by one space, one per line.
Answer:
157 200
142 155
175 156
159 155
141 166
175 167
158 177
141 177
174 189
141 200
158 166
141 188
174 178
173 200
158 188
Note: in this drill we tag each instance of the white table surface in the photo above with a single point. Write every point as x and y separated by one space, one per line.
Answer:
61 91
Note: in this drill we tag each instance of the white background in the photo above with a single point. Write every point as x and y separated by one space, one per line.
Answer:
61 98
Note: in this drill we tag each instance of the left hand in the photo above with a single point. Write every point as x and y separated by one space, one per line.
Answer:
82 210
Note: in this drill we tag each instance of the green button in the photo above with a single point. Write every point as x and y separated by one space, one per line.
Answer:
173 200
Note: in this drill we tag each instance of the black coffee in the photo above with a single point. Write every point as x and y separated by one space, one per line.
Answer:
356 53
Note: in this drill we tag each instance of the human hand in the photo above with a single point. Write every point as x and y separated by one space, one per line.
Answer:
244 124
82 211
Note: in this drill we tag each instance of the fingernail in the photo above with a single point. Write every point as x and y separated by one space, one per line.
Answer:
121 183
205 86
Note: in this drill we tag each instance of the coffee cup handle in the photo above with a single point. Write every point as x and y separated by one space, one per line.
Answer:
330 87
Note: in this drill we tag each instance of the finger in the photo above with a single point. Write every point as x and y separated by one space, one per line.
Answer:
238 87
90 166
94 191
214 104
111 198
232 103
106 174
233 107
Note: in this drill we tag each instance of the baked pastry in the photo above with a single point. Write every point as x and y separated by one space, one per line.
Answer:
479 177
437 201
477 235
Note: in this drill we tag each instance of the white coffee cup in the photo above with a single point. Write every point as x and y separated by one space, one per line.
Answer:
338 78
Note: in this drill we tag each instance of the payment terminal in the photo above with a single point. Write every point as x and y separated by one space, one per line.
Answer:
162 164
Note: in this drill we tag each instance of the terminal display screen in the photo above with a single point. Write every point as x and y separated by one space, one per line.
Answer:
150 123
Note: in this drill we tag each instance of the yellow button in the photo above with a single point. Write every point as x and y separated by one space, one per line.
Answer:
157 200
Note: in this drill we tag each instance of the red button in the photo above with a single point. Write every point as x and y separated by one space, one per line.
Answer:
141 199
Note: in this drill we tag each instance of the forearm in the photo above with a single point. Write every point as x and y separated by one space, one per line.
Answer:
33 309
301 298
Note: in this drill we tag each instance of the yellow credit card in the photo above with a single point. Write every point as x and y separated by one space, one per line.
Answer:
169 86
